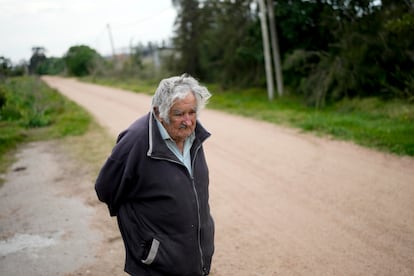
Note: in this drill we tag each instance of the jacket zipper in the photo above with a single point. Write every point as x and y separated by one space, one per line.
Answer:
197 202
199 227
198 210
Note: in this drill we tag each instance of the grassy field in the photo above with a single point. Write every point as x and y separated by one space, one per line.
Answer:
31 111
383 125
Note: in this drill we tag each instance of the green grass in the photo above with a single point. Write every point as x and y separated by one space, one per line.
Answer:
386 126
383 125
31 111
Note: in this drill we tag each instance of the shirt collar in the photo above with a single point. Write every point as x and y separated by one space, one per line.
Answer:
163 131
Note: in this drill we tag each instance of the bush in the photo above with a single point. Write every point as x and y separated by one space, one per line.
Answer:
81 60
25 102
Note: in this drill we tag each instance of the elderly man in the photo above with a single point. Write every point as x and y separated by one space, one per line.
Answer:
156 182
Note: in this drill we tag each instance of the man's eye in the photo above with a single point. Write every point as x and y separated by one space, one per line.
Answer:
181 114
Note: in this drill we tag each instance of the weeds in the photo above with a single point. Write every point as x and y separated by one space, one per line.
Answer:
30 111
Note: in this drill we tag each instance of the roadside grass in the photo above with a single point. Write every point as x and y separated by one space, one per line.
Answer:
31 111
371 122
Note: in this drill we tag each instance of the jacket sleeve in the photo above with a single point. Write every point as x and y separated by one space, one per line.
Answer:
113 178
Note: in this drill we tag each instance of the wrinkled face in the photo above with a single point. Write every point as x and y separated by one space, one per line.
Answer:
183 116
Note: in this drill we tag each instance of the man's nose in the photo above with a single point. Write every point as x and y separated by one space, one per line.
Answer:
187 120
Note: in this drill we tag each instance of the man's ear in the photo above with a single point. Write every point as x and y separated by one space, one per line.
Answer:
157 113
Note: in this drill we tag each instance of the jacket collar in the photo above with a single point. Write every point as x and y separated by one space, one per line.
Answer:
157 147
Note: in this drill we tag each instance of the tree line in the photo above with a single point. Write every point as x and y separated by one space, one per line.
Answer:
82 60
78 61
330 49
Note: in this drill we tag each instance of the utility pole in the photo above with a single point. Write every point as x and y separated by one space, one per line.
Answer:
111 40
266 50
275 48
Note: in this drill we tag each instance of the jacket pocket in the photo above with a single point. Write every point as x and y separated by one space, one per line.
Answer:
175 254
152 253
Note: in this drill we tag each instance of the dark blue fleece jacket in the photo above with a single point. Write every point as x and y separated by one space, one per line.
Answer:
163 212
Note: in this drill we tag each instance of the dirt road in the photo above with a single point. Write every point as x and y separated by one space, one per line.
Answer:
284 202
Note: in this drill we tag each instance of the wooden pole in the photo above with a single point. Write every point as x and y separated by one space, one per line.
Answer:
275 48
266 50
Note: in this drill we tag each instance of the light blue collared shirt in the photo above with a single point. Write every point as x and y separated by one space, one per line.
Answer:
184 157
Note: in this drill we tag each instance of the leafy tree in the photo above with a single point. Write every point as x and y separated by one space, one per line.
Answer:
331 49
231 45
52 66
5 66
218 41
81 60
37 59
188 35
7 69
396 57
368 52
304 25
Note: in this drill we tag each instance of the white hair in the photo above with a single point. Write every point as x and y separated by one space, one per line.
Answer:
174 88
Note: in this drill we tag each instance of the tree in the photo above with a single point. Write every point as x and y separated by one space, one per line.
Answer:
331 49
231 45
37 59
366 51
396 56
81 60
52 66
5 67
219 41
187 39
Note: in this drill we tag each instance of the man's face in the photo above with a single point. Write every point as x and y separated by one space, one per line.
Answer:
183 116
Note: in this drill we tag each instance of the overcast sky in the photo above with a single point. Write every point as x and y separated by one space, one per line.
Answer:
60 24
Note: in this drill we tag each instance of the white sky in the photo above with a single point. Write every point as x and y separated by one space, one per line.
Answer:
59 24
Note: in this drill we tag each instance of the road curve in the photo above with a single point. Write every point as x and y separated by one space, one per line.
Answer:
284 202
